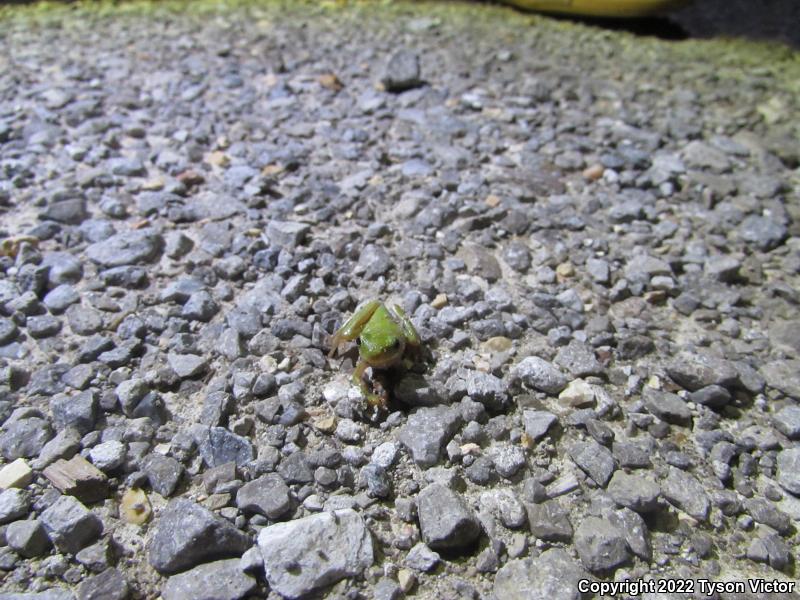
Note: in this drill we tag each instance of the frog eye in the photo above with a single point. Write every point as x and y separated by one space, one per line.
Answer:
397 343
358 341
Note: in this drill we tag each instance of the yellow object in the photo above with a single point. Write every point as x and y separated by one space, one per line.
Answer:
600 8
135 507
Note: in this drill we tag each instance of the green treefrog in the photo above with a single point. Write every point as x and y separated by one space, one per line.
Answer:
384 334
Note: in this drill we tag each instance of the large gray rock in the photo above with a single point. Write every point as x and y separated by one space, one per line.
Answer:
126 248
595 460
633 527
427 432
787 421
187 534
307 554
579 360
540 375
218 580
24 438
219 446
695 371
78 411
682 490
14 504
600 545
27 537
666 406
402 71
537 423
108 585
267 495
70 525
445 519
784 376
549 521
789 470
634 491
554 575
487 389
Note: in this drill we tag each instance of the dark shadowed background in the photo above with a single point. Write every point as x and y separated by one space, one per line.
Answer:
758 19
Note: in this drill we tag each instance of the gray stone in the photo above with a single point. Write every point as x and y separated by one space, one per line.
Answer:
402 72
70 525
295 468
130 392
764 233
445 519
307 554
785 336
8 331
288 234
377 480
163 472
765 512
506 505
633 527
598 270
218 580
108 585
374 261
187 366
78 411
632 455
84 320
683 491
427 432
186 534
64 445
55 593
553 575
788 475
43 326
268 495
108 456
28 538
126 248
421 558
549 521
770 549
600 545
784 376
540 375
595 460
218 446
634 491
97 557
693 371
537 423
507 459
14 504
487 389
666 406
787 421
24 438
578 359
713 396
200 307
723 268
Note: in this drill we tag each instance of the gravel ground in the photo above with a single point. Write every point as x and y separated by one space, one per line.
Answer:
597 237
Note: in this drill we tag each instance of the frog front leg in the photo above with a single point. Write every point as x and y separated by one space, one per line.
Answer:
353 326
